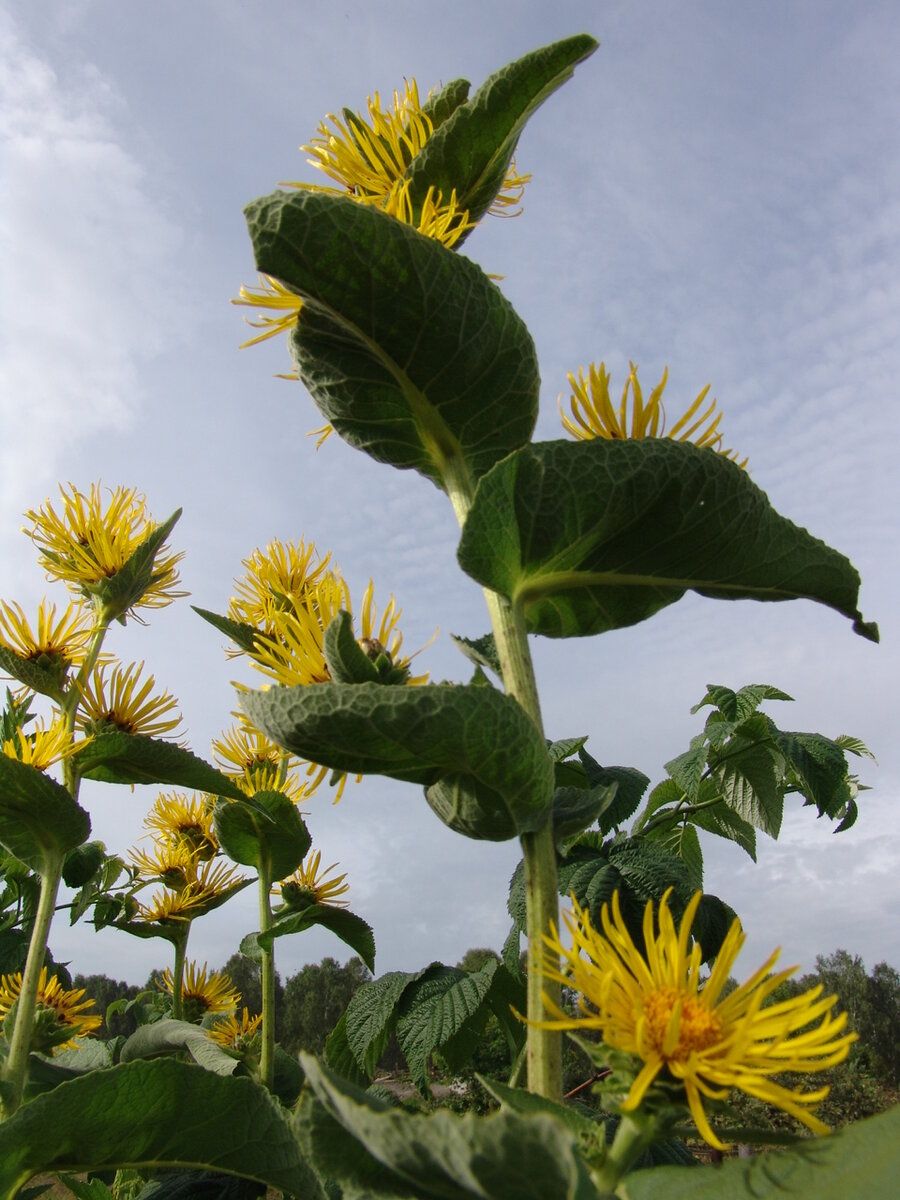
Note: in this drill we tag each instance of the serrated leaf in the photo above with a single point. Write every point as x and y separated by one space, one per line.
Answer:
687 769
862 1159
371 1016
854 745
481 651
681 840
751 785
133 758
478 740
738 706
352 930
597 535
340 1058
409 351
436 1009
39 820
267 833
819 767
564 748
150 1115
471 151
849 818
452 1157
712 922
724 822
630 787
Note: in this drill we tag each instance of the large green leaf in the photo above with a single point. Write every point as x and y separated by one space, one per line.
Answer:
372 1015
591 536
128 758
861 1160
351 929
39 820
169 1036
149 1115
485 765
503 1155
266 832
471 151
408 349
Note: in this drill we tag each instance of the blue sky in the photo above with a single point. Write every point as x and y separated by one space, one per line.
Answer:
716 190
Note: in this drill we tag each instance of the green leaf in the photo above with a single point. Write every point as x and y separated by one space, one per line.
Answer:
39 820
711 924
749 778
149 1115
122 591
267 833
819 768
439 1007
409 351
630 786
481 651
738 706
445 102
687 769
169 1036
502 1155
863 1159
41 674
591 536
724 822
482 760
681 839
129 758
372 1015
244 636
83 863
344 657
574 810
352 930
471 151
340 1057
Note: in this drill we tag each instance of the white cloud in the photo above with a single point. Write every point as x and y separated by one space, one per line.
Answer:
86 251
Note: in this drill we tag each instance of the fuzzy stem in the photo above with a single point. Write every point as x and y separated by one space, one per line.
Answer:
178 977
16 1069
267 971
544 1046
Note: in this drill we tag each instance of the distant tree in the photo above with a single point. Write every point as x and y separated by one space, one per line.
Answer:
314 1001
473 960
882 1030
103 991
245 975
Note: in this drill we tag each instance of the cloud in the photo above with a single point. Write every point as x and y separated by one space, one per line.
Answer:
86 251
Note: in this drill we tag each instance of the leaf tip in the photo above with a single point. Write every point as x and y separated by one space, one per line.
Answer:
867 630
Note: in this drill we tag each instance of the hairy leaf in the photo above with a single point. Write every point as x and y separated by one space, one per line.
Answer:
39 820
128 758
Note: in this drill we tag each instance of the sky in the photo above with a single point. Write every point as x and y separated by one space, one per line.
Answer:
716 191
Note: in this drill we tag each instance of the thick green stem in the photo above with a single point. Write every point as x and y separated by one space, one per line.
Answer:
16 1070
178 977
267 969
544 1046
633 1136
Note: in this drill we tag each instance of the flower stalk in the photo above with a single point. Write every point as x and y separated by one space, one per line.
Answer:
544 1047
267 972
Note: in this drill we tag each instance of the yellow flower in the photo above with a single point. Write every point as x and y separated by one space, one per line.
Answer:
274 576
290 651
310 886
445 223
202 993
125 703
87 544
59 1012
174 863
61 641
273 296
594 416
367 158
210 884
233 1034
42 748
656 1008
182 821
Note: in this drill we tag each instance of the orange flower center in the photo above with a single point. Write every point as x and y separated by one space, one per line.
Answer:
697 1028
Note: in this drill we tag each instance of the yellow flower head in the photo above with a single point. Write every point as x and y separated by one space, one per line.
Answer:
593 415
202 992
233 1034
281 308
58 644
184 821
283 572
208 886
60 1017
88 543
656 1007
42 748
291 651
173 863
308 885
124 702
